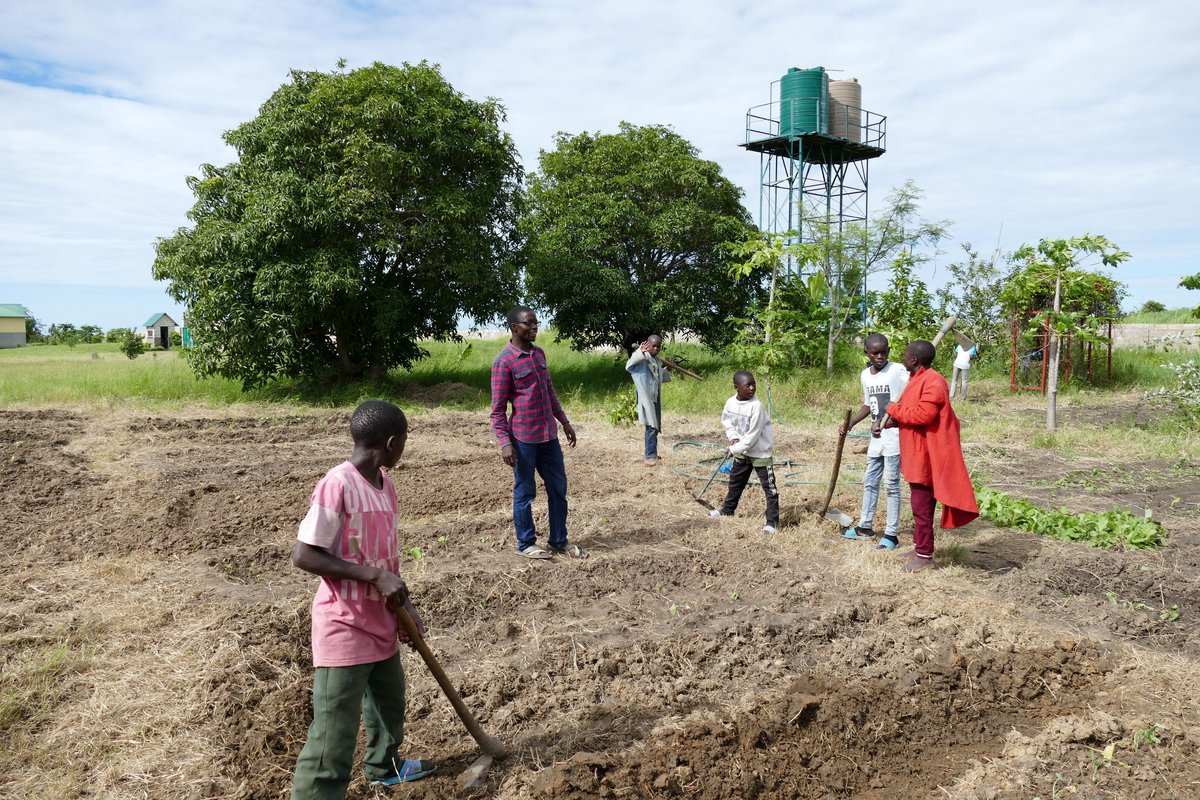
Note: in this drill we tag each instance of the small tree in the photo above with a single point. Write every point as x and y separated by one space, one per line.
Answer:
33 329
1048 271
64 333
131 344
1192 282
972 294
849 256
905 311
1153 307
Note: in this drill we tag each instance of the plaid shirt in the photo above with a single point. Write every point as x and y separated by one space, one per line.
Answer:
524 380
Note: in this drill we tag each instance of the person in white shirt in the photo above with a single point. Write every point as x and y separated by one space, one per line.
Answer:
882 382
751 442
962 365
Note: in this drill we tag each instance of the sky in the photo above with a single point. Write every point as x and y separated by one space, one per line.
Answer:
1018 120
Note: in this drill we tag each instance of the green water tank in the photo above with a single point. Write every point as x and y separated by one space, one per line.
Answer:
804 101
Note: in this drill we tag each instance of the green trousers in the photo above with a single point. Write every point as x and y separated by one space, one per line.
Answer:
340 695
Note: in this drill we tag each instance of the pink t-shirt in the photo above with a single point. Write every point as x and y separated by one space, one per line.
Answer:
353 520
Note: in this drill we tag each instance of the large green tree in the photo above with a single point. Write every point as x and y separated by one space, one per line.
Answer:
627 237
366 210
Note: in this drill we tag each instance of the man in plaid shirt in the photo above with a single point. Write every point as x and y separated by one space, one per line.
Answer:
529 438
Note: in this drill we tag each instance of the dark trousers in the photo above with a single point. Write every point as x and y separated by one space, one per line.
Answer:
922 508
340 696
739 476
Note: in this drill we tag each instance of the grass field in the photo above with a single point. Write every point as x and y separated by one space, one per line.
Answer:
456 375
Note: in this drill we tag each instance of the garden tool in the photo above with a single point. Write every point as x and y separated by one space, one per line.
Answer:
700 497
845 520
492 747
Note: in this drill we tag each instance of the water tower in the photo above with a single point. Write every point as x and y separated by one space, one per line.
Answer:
815 142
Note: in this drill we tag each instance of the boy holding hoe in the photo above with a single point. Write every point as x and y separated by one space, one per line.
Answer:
930 453
751 441
882 382
348 538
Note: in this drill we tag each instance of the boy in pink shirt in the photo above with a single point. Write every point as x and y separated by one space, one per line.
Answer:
348 538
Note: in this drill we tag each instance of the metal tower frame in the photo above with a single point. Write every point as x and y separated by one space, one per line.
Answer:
812 177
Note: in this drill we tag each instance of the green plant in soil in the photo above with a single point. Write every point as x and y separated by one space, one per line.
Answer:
1099 529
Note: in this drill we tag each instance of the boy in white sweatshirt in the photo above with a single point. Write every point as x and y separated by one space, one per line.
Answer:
751 439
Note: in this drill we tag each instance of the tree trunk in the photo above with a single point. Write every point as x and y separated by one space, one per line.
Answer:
1055 345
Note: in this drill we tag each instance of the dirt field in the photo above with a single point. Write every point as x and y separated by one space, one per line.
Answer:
154 635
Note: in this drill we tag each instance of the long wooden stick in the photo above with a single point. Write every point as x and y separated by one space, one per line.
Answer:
837 463
489 744
671 365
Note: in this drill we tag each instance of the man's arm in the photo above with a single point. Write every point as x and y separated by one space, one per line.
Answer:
501 390
556 407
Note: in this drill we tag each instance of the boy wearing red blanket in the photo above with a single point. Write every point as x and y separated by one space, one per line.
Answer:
931 457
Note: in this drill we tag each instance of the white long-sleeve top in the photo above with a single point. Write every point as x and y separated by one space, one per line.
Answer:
749 423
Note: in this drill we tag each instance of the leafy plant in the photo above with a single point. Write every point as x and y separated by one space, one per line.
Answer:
905 311
1099 529
132 345
627 236
1184 398
624 411
1146 736
788 333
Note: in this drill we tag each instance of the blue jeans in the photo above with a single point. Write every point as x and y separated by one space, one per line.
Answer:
886 468
652 434
547 459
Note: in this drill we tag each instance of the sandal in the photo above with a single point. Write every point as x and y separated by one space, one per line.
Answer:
532 551
411 770
570 551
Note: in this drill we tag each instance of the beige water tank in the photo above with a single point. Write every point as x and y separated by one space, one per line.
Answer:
845 109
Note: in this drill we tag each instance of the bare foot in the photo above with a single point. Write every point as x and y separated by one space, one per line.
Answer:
916 564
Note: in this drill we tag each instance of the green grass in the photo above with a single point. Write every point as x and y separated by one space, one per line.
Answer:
1170 317
456 375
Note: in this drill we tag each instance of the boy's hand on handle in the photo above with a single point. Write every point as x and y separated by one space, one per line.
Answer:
392 587
401 633
570 432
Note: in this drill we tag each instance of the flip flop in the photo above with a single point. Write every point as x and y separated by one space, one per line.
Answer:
533 551
411 770
570 551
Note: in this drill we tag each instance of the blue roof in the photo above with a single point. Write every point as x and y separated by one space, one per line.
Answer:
12 310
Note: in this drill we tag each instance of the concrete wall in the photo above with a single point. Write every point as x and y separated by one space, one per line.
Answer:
13 339
1144 335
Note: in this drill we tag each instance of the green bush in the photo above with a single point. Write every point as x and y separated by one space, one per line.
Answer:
132 345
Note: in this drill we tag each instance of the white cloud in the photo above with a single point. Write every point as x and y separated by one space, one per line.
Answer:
1048 119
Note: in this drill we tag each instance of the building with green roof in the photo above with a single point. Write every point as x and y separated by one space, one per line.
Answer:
12 325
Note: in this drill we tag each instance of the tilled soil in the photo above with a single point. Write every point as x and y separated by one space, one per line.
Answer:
155 634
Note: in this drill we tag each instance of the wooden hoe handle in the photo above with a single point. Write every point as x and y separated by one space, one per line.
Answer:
837 461
489 744
671 365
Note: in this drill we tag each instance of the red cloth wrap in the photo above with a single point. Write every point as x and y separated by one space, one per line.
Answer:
930 449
